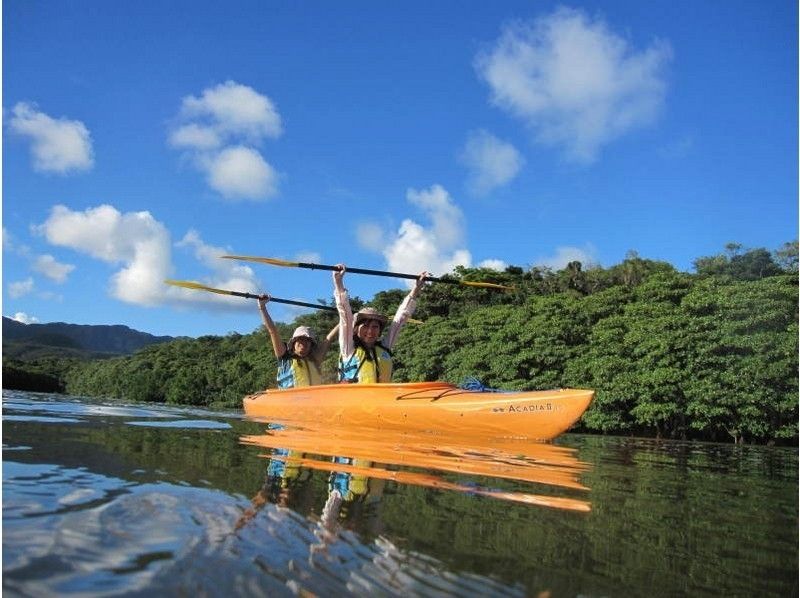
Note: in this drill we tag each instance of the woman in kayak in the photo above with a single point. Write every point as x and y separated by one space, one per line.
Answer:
300 359
363 358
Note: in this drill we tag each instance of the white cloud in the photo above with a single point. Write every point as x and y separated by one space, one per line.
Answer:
54 270
218 131
233 109
498 265
226 274
135 239
57 145
448 220
24 318
141 246
436 249
371 236
241 173
20 288
195 136
565 255
574 82
491 162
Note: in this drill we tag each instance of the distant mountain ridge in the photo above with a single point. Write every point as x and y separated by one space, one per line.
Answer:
109 339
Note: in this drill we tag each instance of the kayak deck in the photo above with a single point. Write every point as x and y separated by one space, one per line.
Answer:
431 406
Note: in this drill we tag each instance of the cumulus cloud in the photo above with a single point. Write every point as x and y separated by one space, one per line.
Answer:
232 109
20 288
436 248
218 131
241 172
225 274
140 248
57 145
195 136
565 255
24 318
491 162
52 269
447 218
135 239
574 82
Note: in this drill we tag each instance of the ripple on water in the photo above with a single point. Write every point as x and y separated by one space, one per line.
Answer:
21 405
76 532
183 423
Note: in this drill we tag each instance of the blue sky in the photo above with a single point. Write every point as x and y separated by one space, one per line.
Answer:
142 140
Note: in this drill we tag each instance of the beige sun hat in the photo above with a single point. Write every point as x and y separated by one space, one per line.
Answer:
302 332
370 313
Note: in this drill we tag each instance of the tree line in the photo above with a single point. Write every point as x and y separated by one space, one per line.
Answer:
710 355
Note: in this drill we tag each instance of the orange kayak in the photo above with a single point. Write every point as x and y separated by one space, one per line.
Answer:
427 406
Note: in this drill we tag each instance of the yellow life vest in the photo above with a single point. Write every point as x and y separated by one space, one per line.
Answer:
296 371
367 366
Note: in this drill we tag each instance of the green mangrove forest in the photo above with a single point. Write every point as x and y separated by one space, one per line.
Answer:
709 355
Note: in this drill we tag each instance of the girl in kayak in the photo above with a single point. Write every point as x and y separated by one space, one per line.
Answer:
300 359
363 358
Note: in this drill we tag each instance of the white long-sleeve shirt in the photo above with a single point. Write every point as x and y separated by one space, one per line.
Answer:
346 322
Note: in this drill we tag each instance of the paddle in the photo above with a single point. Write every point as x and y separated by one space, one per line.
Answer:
277 262
188 284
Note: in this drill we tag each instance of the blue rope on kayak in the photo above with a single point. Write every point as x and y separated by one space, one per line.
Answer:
472 383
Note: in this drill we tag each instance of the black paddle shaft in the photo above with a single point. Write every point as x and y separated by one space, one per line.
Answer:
375 272
286 301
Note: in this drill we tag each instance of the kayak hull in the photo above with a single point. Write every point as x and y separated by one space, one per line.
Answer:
429 406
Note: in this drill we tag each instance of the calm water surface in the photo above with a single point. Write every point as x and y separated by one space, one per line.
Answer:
104 498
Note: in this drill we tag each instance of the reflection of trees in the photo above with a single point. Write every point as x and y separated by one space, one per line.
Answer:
139 453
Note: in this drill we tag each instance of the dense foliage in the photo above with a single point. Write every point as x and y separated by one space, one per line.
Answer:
711 355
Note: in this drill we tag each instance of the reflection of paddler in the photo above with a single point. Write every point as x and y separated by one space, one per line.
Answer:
281 472
353 498
286 466
349 485
358 495
283 479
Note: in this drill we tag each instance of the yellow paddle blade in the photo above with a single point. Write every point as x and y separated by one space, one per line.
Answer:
190 284
264 260
486 285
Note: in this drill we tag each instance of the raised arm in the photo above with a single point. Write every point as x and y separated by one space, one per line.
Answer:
277 343
404 311
346 345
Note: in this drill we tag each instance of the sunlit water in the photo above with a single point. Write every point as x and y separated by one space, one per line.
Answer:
105 498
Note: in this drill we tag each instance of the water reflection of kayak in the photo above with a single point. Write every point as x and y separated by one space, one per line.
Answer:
513 459
432 406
